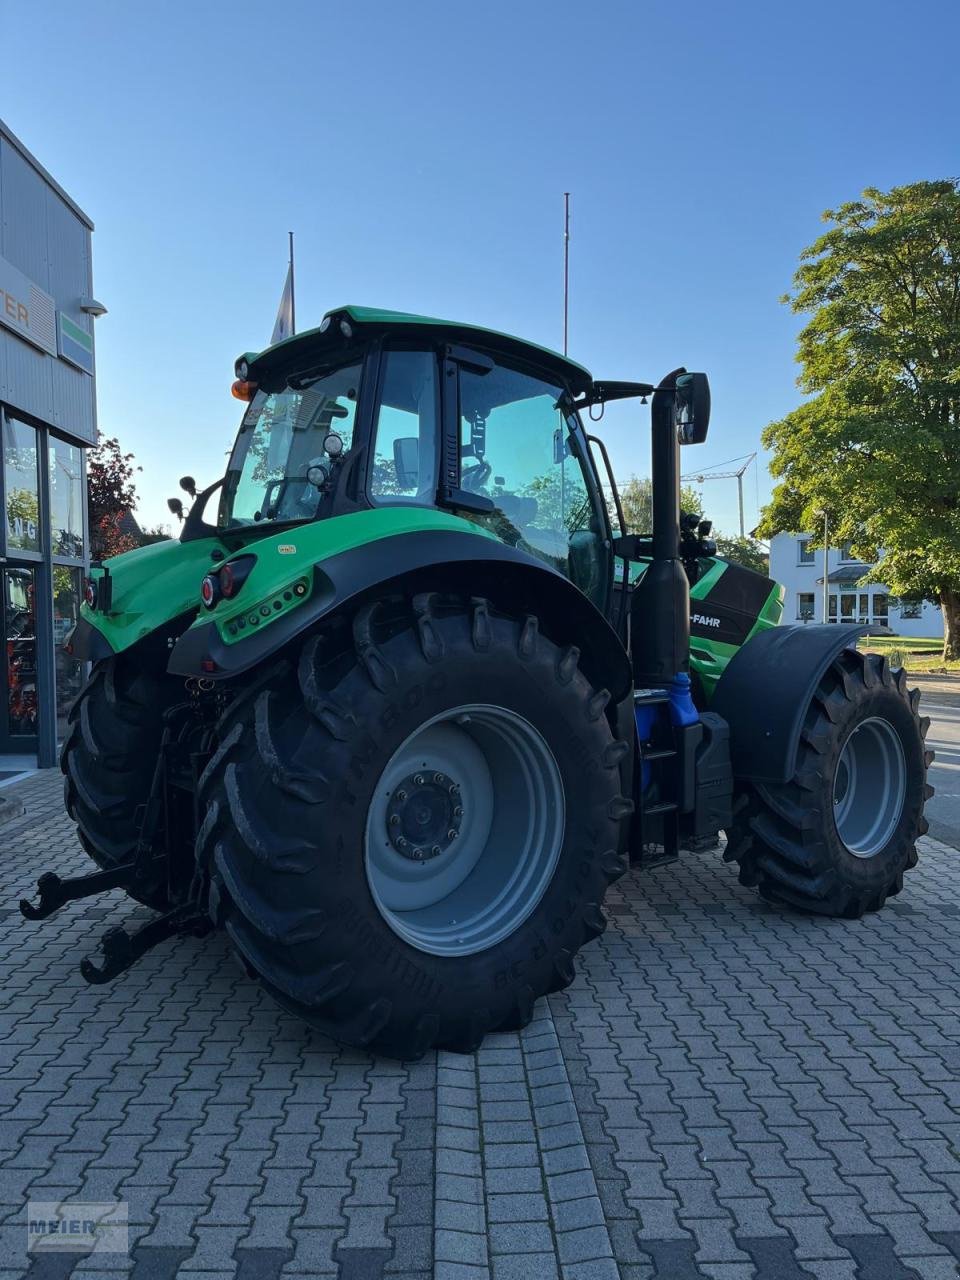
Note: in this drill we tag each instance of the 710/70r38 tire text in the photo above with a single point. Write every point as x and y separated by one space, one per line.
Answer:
367 860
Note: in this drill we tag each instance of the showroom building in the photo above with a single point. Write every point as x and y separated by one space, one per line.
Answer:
47 419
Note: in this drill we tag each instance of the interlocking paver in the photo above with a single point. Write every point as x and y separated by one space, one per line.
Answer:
727 1090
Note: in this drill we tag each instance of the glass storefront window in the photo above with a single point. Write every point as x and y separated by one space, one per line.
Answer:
22 489
66 499
67 586
19 599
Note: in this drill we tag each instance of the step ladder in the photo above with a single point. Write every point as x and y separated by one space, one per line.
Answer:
658 798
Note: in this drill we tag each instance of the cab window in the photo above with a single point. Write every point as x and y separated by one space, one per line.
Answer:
403 466
516 449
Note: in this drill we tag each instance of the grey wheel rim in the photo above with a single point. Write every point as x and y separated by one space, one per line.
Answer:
869 787
464 830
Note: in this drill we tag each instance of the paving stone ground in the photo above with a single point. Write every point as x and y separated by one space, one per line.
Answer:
727 1091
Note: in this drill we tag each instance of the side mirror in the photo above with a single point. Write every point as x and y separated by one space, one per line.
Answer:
406 460
189 485
693 407
176 507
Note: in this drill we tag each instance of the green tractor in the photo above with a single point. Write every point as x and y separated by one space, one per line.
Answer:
397 715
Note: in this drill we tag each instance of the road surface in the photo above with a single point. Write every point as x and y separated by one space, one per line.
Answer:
943 811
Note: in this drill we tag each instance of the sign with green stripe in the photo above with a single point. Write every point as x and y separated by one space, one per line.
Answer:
75 344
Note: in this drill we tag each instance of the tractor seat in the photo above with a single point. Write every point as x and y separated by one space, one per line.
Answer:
519 511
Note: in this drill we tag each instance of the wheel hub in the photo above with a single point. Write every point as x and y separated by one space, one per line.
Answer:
424 815
869 787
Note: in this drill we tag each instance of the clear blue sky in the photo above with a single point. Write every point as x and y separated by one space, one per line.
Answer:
420 150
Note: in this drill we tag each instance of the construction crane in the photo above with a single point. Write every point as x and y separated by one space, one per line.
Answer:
711 473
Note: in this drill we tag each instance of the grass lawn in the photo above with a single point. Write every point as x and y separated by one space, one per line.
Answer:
913 653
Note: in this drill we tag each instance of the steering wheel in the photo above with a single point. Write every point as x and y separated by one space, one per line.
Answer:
475 476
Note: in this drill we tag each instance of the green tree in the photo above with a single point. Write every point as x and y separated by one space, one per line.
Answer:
636 498
111 495
744 551
877 447
157 534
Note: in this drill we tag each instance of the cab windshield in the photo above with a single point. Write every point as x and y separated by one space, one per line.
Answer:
291 442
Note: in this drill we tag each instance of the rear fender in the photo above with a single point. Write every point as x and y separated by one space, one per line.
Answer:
439 559
765 690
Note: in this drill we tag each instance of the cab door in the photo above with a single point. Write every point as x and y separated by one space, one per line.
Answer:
524 472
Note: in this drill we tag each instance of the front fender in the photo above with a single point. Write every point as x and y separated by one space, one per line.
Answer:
765 690
443 558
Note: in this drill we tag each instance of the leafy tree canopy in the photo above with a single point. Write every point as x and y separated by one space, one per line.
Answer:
877 446
111 495
746 551
636 496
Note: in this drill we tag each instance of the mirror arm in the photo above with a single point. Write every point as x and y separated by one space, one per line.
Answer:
194 527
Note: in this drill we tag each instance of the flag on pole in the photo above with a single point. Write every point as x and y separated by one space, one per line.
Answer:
283 327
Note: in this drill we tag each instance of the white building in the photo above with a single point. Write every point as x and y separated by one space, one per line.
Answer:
799 568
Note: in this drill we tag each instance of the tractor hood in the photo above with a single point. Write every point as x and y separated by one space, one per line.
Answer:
139 592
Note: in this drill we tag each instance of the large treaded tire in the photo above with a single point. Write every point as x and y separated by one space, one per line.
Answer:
784 837
286 797
109 756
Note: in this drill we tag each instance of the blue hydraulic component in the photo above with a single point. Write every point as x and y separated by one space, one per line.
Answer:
682 710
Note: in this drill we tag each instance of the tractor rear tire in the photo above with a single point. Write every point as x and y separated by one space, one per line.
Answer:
837 838
109 757
343 919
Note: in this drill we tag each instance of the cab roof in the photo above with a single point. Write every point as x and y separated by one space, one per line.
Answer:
376 320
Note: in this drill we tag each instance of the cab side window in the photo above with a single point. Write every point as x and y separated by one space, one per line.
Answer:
403 465
515 449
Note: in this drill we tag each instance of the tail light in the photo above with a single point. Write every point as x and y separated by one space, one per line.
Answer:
234 574
210 590
227 581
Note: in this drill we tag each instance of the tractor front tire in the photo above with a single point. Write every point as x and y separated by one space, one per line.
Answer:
109 756
410 828
837 838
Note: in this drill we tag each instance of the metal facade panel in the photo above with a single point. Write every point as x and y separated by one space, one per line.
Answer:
23 235
28 383
72 409
67 240
44 238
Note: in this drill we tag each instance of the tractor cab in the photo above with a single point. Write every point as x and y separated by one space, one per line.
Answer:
378 410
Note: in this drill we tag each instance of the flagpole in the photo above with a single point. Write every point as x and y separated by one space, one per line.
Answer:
566 265
293 303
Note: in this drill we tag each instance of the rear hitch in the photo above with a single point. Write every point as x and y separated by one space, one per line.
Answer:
121 950
55 892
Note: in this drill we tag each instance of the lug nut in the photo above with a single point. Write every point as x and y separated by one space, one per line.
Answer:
438 777
395 820
401 843
401 796
419 779
452 833
418 854
458 811
435 850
